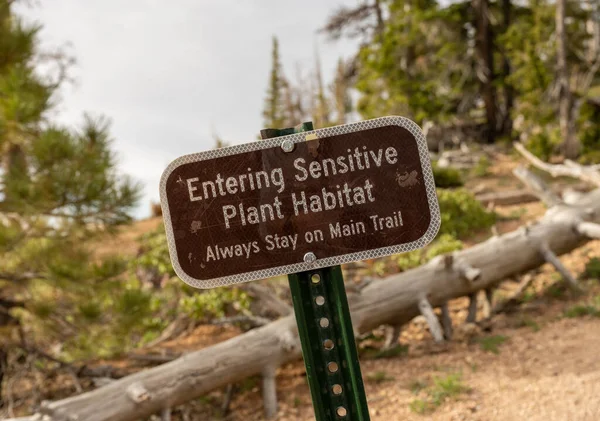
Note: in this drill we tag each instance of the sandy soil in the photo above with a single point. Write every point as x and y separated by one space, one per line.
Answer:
548 374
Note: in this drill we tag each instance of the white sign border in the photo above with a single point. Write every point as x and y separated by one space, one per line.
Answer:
301 266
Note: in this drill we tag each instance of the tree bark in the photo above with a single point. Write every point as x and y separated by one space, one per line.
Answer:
394 300
571 145
485 64
504 198
507 122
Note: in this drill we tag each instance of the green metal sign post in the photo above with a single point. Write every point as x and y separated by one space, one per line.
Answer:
301 203
326 335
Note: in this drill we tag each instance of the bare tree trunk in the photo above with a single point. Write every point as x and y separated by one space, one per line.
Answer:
394 300
485 64
379 16
507 122
571 146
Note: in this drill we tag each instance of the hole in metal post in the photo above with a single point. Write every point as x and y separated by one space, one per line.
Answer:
336 389
320 300
341 411
315 278
324 322
328 344
332 367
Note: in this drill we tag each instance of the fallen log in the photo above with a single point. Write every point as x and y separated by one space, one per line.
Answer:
393 301
506 198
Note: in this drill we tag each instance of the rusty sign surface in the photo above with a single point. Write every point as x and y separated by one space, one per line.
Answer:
293 203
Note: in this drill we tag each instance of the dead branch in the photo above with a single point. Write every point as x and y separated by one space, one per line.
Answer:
227 399
269 390
392 334
514 299
472 313
446 321
432 320
537 186
551 258
153 358
254 321
589 229
569 168
505 198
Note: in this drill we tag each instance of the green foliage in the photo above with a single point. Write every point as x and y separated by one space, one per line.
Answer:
444 244
545 143
483 166
462 214
588 124
592 269
154 253
132 304
492 343
215 303
90 311
528 296
581 310
528 322
443 389
419 65
379 377
557 291
410 260
420 406
447 177
531 48
591 308
59 191
416 386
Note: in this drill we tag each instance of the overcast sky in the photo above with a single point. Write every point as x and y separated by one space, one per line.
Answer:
170 74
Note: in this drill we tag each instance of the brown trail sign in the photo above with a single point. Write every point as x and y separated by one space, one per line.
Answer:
299 202
302 204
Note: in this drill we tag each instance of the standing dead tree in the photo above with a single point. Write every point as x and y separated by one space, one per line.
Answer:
395 300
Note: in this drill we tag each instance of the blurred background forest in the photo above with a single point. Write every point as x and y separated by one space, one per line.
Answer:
88 294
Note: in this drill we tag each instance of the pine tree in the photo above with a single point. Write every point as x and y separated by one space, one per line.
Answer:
273 113
320 108
542 95
420 65
59 189
293 104
341 95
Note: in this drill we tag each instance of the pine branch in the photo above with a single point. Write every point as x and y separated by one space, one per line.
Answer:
25 276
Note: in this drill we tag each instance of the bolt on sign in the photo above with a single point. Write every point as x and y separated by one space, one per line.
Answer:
299 202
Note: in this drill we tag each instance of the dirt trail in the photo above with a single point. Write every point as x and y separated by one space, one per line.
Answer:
552 374
546 375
